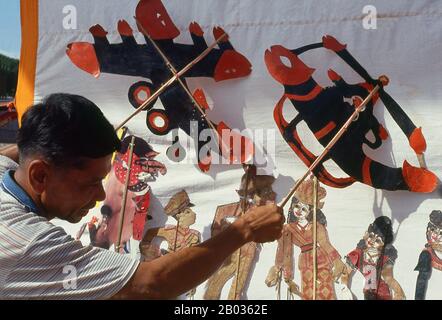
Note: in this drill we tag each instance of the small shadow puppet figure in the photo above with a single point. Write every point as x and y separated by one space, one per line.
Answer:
429 258
256 192
299 232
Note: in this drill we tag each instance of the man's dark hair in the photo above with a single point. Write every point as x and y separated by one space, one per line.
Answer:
65 128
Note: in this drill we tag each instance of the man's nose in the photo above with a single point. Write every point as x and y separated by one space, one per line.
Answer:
101 194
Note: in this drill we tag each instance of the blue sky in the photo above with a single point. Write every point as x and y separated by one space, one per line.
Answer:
10 27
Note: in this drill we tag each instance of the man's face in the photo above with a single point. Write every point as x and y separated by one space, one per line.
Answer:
71 192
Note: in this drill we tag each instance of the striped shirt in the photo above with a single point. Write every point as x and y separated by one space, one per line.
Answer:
39 260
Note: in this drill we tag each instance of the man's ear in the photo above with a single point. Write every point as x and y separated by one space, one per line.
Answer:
38 173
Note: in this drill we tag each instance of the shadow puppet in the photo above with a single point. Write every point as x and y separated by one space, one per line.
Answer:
254 190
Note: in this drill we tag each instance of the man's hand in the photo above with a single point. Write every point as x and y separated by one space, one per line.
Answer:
261 224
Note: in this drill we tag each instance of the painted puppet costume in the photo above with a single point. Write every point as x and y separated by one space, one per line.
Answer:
259 190
374 257
430 261
299 232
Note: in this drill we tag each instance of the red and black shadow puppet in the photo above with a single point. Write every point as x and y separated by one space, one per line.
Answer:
324 110
144 170
143 60
429 259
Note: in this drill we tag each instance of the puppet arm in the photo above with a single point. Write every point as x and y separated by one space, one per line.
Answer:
332 254
387 275
346 275
283 260
424 268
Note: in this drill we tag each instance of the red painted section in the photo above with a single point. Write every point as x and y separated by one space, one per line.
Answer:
195 28
232 65
325 131
98 31
298 72
419 179
155 20
124 28
83 55
417 141
366 176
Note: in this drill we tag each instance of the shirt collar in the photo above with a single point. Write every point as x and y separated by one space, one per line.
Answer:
9 185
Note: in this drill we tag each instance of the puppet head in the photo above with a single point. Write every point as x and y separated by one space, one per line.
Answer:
379 234
179 208
302 203
285 66
259 188
144 168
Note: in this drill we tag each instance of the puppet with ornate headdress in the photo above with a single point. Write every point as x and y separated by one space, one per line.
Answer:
255 190
429 259
299 232
374 257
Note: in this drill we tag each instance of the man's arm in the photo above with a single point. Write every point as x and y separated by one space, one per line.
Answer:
178 272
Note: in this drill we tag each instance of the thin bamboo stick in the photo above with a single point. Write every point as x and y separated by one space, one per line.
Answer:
315 239
123 204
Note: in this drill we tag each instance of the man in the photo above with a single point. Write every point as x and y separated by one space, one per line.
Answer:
65 146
